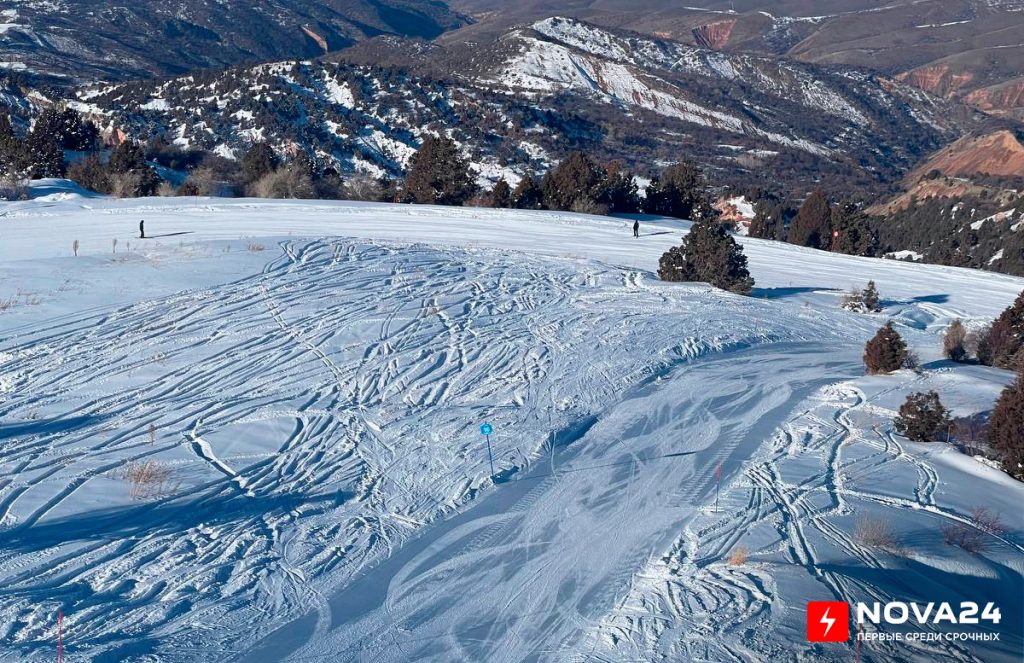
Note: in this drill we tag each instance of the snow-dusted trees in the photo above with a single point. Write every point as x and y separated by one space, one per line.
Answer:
438 174
709 254
680 191
812 225
863 301
886 352
1006 428
922 417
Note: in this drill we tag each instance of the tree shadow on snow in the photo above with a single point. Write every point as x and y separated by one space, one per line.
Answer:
780 293
46 426
154 519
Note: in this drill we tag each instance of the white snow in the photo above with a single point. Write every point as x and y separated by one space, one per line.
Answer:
315 375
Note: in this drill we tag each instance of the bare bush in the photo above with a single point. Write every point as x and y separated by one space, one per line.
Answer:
74 247
125 185
738 556
152 434
254 247
876 533
954 342
204 181
147 479
166 190
974 536
363 187
290 182
11 189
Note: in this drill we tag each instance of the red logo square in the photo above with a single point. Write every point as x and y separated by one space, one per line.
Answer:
828 621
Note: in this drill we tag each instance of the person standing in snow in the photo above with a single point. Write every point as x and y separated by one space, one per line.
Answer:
636 228
142 229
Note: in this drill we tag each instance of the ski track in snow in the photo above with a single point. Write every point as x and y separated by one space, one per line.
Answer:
352 378
329 492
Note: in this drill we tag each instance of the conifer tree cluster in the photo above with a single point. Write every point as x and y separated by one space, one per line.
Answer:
1006 428
40 152
1001 344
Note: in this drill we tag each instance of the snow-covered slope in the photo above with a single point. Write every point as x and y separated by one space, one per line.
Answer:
310 378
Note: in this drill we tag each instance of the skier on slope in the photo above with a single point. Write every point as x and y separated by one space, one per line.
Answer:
142 229
636 228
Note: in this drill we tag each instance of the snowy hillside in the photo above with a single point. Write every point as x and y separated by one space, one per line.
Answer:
305 382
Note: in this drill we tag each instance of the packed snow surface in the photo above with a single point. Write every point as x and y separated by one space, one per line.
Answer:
301 386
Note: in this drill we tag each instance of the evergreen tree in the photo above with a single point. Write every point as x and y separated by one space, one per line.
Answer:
575 183
1006 428
886 352
872 300
1002 344
856 236
44 155
67 128
677 192
619 191
129 173
126 157
812 225
438 174
769 220
528 194
708 254
258 162
501 194
954 342
922 418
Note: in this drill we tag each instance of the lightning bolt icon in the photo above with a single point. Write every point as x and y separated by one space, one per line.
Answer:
825 619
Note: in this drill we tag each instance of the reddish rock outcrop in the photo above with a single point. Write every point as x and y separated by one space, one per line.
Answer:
714 35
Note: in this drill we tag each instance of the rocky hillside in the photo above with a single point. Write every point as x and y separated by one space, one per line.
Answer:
959 49
755 118
83 40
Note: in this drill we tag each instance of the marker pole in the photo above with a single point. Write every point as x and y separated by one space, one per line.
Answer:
718 484
490 457
60 636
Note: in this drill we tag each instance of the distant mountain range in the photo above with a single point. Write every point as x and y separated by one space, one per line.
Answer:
958 49
70 41
537 91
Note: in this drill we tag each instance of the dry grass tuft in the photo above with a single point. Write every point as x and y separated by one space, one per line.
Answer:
739 556
876 533
147 479
254 247
974 537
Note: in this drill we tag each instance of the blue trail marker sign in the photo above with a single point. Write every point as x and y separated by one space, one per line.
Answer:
486 429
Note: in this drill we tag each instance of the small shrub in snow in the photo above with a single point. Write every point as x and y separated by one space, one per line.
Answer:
876 533
886 352
166 190
863 301
738 557
923 418
872 300
147 479
974 537
254 247
290 182
74 247
1006 429
954 342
